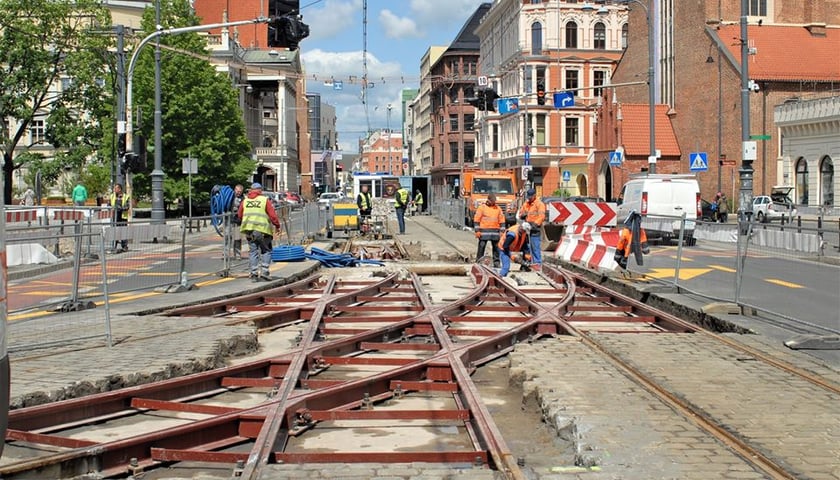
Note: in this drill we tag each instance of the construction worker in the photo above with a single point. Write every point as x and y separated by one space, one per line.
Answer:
490 223
363 201
514 240
418 202
631 238
401 205
258 215
533 212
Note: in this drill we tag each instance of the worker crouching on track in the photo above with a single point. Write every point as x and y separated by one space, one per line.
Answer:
631 238
533 212
489 221
515 239
258 215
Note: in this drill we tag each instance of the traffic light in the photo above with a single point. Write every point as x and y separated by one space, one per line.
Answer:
490 97
121 145
540 93
476 99
286 29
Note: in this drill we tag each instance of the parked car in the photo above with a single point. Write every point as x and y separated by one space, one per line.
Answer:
326 198
767 208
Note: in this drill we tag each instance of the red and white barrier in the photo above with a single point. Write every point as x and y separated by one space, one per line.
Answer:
588 254
69 215
16 216
103 214
600 214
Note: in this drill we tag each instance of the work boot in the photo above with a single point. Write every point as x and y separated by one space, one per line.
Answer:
266 276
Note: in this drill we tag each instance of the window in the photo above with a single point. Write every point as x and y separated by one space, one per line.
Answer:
529 78
540 133
572 79
494 133
453 152
802 181
442 128
827 182
469 151
571 35
598 79
624 31
36 131
536 38
758 8
453 123
600 39
469 122
572 131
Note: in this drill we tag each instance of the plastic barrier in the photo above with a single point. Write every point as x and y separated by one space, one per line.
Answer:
588 254
17 216
69 215
600 214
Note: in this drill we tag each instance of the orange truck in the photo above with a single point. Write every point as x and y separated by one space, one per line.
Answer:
477 184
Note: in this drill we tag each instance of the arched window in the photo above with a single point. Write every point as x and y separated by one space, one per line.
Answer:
536 38
624 30
571 35
827 182
802 181
600 39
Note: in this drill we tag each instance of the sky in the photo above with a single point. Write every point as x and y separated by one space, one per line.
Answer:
399 32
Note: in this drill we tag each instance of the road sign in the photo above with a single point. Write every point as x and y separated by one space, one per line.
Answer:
527 156
508 105
482 80
759 137
189 166
615 158
727 163
526 169
698 162
567 175
338 85
564 99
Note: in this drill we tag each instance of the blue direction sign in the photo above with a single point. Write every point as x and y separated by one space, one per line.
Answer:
567 175
508 105
564 99
527 156
698 162
615 158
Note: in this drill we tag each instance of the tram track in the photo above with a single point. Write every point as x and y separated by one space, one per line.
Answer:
367 352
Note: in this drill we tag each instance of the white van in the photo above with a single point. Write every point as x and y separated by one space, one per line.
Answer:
662 200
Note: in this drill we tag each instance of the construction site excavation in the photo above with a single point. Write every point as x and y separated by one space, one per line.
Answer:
424 364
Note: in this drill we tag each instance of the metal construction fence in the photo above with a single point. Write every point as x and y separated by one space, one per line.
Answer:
66 275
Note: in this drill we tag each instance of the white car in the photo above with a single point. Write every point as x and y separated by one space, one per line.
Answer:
771 207
326 198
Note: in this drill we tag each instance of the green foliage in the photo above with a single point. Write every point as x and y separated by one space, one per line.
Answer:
561 192
200 112
53 65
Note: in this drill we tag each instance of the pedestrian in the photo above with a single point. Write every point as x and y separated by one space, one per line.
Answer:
401 204
533 212
28 197
722 207
364 202
79 195
236 221
120 203
631 239
515 240
418 202
257 215
490 223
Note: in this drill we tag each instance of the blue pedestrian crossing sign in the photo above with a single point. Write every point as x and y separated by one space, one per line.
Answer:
615 158
567 175
698 162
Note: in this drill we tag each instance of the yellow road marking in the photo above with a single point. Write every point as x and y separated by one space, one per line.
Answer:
784 283
723 269
685 273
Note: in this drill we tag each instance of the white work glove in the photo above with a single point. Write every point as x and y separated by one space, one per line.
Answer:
526 226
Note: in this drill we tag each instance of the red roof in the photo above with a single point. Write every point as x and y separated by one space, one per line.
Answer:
787 53
635 130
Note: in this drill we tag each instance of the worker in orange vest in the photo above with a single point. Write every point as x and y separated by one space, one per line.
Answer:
516 239
631 238
489 221
533 212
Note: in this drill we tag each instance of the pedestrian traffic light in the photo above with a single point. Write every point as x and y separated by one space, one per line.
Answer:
540 93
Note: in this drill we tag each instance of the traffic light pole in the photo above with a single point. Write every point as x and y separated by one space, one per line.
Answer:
158 207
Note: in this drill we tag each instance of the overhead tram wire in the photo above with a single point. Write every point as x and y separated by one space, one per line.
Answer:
364 64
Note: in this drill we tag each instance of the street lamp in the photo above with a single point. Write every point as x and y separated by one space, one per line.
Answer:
651 83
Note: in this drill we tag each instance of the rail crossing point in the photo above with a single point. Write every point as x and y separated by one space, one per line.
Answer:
564 99
699 162
615 158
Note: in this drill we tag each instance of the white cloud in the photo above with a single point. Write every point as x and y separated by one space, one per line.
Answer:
443 13
396 26
332 19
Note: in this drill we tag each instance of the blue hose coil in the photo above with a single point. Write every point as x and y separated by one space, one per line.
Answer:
221 200
288 253
328 259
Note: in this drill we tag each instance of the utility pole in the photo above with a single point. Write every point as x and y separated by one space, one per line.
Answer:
158 206
116 174
748 146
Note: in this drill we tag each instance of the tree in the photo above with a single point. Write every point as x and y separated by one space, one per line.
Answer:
200 113
53 75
